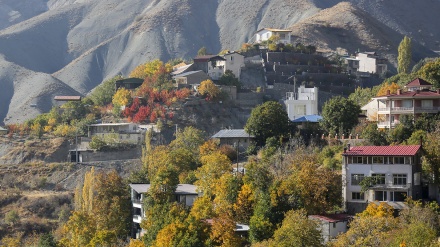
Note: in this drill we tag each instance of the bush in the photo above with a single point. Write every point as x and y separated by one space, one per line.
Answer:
12 217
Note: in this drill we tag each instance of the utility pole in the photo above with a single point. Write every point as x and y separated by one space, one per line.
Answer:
76 146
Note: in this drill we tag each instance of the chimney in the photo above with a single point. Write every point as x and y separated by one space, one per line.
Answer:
438 90
348 146
399 91
388 92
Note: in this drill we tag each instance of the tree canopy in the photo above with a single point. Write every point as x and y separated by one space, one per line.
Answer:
339 115
404 55
268 120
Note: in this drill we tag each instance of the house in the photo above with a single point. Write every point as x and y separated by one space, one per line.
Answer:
302 103
190 78
234 61
185 194
371 62
212 65
331 225
416 100
265 33
129 83
215 66
3 131
393 172
234 137
119 132
370 109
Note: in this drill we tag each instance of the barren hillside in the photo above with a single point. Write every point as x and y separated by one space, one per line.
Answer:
50 47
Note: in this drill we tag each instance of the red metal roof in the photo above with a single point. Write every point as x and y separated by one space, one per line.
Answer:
418 82
332 218
409 150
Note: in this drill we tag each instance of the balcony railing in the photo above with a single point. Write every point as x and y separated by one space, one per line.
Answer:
419 109
390 186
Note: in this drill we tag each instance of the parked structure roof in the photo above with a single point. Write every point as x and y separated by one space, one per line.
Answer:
408 150
232 133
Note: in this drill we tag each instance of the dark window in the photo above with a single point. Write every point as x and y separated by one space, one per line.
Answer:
357 196
399 179
380 195
398 196
356 178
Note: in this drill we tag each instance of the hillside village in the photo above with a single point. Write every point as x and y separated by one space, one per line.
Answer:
275 144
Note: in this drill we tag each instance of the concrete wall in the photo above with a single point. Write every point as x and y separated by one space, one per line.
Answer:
90 156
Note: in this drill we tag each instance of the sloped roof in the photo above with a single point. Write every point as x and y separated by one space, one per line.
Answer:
232 133
308 118
408 150
206 58
181 69
189 73
417 83
412 94
332 218
183 189
274 30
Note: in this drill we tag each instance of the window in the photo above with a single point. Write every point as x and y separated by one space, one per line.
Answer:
380 195
399 160
398 196
357 160
427 103
389 159
399 179
407 103
379 178
357 196
378 160
356 178
407 160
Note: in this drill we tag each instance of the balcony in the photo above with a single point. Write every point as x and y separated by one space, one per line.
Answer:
386 124
389 186
401 110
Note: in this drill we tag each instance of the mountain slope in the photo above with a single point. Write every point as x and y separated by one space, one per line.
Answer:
76 44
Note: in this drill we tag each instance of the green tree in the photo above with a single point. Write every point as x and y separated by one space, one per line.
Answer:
362 96
47 240
374 135
102 94
339 115
12 217
297 230
431 72
268 120
229 79
404 55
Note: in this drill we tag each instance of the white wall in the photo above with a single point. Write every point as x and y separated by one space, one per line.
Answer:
305 102
368 170
234 62
366 64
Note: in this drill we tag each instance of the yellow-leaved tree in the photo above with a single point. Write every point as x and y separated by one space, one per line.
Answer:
122 97
150 68
209 89
393 87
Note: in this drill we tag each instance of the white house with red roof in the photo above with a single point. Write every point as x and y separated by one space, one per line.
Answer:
396 173
416 100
